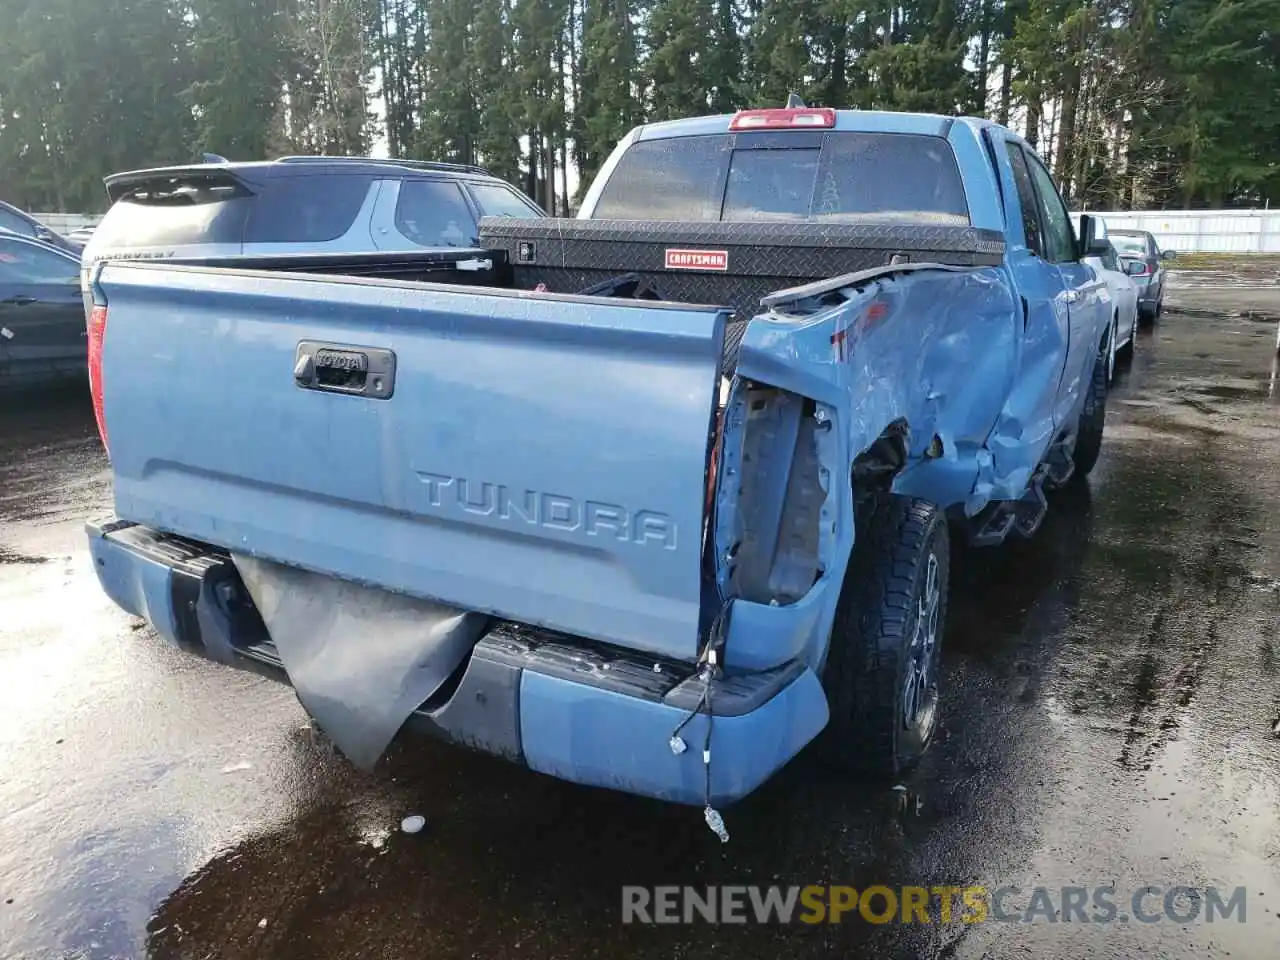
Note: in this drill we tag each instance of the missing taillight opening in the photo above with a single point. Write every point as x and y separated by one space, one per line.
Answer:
97 331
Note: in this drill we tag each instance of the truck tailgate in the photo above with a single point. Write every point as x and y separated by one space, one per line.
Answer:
538 457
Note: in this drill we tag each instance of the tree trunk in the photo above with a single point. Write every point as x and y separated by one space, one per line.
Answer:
1033 125
531 186
1006 93
984 53
1067 130
549 168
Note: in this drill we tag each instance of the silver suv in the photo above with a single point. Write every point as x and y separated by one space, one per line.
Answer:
299 205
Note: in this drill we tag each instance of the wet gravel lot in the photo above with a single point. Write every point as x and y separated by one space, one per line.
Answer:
1111 692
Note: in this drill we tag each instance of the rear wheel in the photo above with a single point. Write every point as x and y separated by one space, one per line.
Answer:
1093 417
881 674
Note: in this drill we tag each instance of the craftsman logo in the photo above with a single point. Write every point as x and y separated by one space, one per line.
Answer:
698 260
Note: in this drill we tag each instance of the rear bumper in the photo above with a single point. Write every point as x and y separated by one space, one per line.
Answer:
581 712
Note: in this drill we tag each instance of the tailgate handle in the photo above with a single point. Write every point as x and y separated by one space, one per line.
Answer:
343 368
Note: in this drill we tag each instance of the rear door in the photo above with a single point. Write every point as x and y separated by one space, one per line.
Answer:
1087 300
41 312
419 213
1046 315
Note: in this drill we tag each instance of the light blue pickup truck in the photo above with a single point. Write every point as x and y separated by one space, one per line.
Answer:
669 499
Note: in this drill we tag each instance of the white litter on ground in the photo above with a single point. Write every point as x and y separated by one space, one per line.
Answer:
237 767
413 824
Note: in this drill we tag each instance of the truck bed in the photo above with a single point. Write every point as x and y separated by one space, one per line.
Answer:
733 265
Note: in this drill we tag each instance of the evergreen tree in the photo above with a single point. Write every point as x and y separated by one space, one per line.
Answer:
679 66
237 56
497 96
449 126
610 104
780 60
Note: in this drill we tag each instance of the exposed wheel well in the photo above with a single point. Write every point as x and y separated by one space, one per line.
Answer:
875 468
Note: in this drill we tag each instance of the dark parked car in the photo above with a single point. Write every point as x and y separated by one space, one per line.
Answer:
42 332
1143 261
13 220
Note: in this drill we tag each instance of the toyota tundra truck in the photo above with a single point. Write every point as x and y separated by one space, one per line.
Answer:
665 496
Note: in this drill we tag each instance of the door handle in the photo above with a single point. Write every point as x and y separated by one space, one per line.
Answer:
1072 296
340 368
19 301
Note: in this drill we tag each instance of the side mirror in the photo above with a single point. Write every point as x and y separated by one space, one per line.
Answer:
1093 236
1134 267
1168 255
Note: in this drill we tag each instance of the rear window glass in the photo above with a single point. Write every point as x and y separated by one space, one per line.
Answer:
770 185
1130 246
848 177
432 213
308 209
497 201
175 211
677 179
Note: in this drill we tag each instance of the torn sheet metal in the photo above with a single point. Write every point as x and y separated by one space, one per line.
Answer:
361 659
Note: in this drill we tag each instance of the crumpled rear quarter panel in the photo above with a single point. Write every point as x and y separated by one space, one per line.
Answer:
934 350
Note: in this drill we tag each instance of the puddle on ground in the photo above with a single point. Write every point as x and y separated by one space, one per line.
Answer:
12 556
1255 316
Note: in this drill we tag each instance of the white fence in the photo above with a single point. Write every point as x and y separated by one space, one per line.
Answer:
64 223
1202 231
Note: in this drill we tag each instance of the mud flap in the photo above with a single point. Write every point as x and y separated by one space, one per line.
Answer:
361 659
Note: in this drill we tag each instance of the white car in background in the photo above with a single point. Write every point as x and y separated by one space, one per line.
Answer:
1124 295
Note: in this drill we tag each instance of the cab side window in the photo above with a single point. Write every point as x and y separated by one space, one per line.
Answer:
1059 235
1026 200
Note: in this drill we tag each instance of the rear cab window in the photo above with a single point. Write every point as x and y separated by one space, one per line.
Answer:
833 176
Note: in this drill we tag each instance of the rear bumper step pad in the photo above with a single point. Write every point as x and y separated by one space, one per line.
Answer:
573 709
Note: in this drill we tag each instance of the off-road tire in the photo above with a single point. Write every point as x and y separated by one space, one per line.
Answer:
872 647
1093 418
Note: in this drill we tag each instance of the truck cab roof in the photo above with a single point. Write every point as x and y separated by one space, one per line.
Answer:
857 121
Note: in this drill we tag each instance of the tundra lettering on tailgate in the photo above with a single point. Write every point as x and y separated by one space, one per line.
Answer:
592 518
697 259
